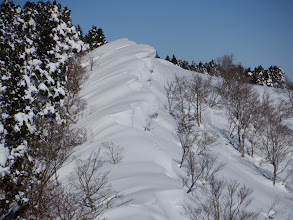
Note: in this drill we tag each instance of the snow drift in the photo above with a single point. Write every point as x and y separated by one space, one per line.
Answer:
124 92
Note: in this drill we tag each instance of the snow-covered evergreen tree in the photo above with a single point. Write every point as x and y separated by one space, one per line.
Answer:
95 38
277 76
174 60
36 44
273 77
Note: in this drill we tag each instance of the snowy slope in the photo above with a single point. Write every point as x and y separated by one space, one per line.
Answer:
124 90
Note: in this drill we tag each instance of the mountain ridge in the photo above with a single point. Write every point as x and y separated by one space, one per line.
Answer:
123 90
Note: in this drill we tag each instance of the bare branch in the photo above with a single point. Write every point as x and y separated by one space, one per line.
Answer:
114 152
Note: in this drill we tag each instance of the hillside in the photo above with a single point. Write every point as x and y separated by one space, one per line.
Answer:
124 91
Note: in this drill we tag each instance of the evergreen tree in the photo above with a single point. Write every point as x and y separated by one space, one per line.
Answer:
36 43
201 68
174 60
193 66
258 75
185 65
168 58
79 31
277 76
212 68
13 172
95 38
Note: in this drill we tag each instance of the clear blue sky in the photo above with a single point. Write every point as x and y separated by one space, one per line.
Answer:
257 32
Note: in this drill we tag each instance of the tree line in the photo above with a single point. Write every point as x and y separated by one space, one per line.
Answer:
272 77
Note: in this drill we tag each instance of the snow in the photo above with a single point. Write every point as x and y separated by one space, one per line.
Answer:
43 87
123 91
52 67
4 152
34 62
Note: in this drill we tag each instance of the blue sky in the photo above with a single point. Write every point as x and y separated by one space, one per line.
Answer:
257 32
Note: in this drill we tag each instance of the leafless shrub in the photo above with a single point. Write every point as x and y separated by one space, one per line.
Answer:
200 164
201 167
203 143
254 132
275 209
214 100
114 152
187 136
226 61
91 193
243 105
286 100
181 106
73 104
271 137
169 90
52 147
221 200
199 91
91 61
277 145
187 97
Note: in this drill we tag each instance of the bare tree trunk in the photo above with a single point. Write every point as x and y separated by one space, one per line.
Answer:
275 174
197 111
241 147
185 152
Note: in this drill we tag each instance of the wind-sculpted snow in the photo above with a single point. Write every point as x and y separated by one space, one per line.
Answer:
123 92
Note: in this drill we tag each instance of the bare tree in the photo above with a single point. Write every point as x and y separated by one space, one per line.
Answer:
182 107
275 209
177 92
92 192
185 130
226 61
52 147
221 200
242 107
114 152
214 100
73 104
277 145
264 108
169 90
258 123
203 143
199 91
187 96
201 167
91 61
187 136
286 100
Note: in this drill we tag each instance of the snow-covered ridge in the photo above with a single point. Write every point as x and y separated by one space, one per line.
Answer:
123 91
